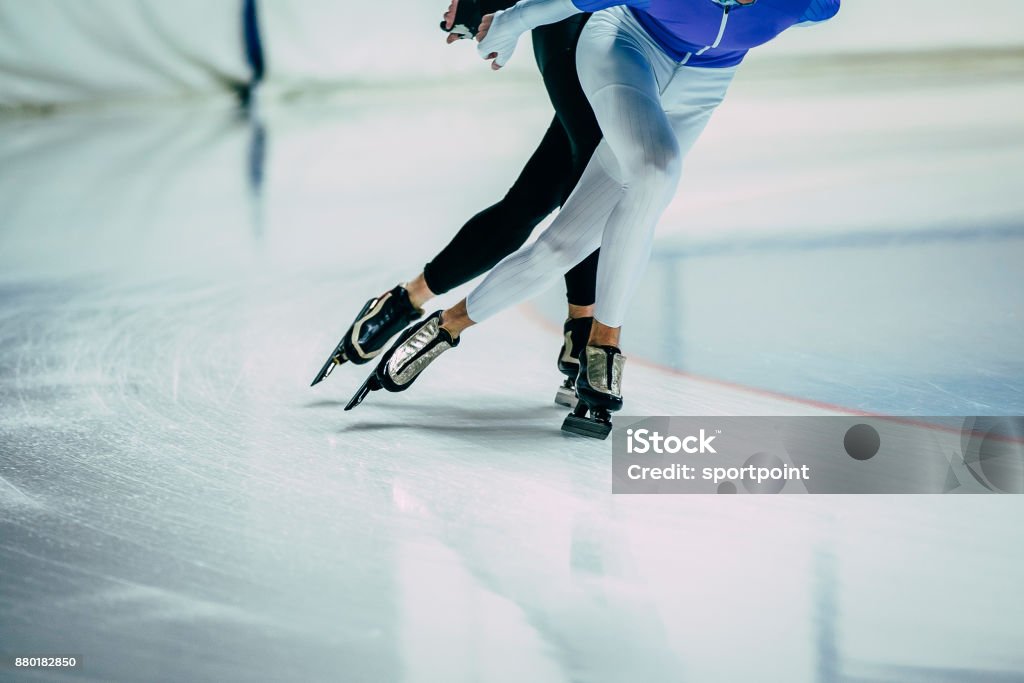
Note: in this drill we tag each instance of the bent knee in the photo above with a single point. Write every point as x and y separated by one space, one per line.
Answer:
559 253
655 171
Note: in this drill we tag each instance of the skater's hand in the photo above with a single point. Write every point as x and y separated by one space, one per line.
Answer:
497 37
449 15
485 26
449 21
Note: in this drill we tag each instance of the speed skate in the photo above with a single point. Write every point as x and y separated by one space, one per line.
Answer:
599 391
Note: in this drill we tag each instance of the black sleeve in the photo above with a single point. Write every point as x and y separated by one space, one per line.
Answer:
491 6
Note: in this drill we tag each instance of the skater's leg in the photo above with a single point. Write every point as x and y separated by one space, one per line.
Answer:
631 83
582 218
625 91
555 50
581 286
502 228
604 335
543 185
571 237
456 319
419 291
688 100
630 178
554 47
494 232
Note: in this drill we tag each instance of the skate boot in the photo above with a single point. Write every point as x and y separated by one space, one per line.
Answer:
577 332
599 390
380 319
417 348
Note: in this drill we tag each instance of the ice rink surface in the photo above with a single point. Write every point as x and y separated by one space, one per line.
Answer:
177 503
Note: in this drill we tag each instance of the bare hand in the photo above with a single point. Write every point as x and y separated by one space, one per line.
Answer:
485 25
449 22
449 15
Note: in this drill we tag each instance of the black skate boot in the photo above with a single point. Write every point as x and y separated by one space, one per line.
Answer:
599 390
417 348
380 319
577 332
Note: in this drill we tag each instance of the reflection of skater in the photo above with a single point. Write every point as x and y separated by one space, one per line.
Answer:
654 71
498 230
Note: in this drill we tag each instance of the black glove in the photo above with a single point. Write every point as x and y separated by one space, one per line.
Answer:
467 19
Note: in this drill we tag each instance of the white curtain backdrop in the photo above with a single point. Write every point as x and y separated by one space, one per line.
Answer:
62 51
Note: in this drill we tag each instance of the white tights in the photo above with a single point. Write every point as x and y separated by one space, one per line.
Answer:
651 111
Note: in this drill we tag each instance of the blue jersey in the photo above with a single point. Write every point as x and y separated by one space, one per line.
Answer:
717 33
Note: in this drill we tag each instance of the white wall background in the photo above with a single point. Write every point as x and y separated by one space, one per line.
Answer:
61 51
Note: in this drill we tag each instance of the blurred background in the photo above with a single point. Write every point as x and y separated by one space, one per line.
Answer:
105 50
196 197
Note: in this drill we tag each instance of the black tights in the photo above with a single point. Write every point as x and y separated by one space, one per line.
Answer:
544 184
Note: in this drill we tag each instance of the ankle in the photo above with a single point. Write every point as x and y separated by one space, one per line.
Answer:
454 331
456 319
581 311
419 292
602 335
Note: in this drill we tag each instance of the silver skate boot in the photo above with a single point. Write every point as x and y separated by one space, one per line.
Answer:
415 349
599 390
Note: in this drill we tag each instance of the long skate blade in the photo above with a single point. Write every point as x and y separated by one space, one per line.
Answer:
371 384
586 426
334 361
565 397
